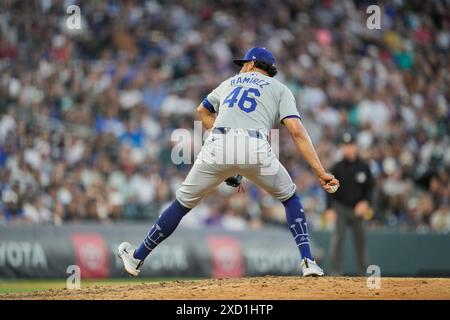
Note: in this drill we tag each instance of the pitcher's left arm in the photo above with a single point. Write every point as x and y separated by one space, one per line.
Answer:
208 118
208 109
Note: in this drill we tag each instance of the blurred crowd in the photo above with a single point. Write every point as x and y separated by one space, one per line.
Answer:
86 116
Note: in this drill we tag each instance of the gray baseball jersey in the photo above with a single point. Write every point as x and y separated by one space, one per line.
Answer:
246 101
251 100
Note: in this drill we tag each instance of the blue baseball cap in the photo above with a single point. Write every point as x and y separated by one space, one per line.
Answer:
257 54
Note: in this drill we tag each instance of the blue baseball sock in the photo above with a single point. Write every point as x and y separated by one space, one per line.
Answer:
296 220
163 228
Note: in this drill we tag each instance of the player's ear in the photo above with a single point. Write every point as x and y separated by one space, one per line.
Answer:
248 66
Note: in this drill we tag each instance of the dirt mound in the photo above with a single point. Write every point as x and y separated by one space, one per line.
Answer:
269 287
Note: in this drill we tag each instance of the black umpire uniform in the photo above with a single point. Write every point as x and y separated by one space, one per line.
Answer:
356 185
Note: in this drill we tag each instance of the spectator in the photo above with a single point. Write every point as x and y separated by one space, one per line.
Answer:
440 220
82 114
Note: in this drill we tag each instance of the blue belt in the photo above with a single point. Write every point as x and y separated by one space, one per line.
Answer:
251 133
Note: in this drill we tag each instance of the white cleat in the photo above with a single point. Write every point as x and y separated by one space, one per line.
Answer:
310 268
131 264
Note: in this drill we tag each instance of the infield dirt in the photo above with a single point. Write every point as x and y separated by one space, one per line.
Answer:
269 287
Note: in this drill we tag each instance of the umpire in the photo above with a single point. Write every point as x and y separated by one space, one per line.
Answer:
350 203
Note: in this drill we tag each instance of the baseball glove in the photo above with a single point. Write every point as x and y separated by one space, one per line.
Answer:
234 181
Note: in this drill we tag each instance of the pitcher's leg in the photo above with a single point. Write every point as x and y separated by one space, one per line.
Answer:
275 180
279 184
201 179
162 229
296 220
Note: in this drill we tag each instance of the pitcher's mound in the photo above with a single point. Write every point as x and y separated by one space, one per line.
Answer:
268 287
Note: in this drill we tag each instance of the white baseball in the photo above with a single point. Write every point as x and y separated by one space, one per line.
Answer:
333 189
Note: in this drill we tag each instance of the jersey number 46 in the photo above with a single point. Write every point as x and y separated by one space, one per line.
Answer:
245 101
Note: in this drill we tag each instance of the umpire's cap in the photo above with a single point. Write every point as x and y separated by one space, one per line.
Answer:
257 54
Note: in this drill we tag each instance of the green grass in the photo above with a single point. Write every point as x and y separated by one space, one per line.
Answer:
11 286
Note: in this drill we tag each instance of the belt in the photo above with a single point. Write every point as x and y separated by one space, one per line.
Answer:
251 132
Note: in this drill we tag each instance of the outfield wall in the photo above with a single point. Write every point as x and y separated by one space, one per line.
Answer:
47 251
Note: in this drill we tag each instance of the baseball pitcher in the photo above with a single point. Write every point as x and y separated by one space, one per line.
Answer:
241 111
